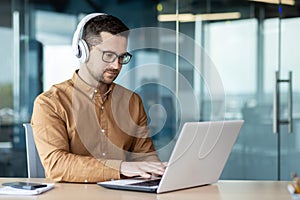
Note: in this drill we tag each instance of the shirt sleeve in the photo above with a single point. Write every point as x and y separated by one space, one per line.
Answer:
52 143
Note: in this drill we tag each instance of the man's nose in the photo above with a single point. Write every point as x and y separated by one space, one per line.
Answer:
116 64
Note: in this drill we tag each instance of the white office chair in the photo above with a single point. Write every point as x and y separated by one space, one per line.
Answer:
35 168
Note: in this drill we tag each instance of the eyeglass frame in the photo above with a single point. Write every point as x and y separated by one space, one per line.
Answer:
116 56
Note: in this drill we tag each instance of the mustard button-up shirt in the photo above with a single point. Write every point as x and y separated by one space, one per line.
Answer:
82 138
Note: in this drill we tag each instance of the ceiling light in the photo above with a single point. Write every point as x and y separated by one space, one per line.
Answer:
188 17
286 2
174 17
218 16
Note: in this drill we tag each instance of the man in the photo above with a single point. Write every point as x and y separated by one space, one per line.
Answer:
89 129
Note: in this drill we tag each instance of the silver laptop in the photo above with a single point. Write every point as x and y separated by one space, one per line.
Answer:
198 158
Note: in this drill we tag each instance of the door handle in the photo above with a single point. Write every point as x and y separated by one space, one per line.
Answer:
290 104
276 106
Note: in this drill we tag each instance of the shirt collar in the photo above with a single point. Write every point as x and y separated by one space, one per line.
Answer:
87 89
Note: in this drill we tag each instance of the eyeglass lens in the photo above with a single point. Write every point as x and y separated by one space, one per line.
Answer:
111 57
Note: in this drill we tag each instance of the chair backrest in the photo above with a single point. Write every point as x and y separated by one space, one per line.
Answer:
35 168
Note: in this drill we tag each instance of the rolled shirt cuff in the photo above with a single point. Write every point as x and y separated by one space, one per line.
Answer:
112 169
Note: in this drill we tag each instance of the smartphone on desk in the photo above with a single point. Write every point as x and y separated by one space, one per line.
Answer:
25 185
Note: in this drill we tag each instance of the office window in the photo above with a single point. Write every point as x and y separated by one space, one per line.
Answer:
55 30
6 68
232 47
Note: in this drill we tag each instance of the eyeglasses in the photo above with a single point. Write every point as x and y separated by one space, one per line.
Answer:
109 57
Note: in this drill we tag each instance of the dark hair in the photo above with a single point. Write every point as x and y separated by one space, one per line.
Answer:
103 23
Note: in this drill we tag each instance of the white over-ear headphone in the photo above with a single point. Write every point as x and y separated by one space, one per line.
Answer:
79 46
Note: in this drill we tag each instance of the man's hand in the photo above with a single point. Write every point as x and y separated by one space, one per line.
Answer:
143 169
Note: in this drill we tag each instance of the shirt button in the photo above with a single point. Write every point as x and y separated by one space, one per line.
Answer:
102 107
95 91
103 131
103 154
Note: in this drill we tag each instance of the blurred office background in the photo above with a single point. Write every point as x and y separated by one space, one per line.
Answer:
200 60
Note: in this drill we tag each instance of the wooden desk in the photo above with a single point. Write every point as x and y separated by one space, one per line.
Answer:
223 190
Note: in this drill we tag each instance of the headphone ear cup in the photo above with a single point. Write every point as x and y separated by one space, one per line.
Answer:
83 51
79 47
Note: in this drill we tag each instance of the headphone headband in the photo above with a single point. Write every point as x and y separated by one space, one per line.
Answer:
79 46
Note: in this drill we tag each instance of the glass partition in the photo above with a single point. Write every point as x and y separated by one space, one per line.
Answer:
247 41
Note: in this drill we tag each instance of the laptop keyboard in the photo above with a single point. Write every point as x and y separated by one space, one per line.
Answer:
147 183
